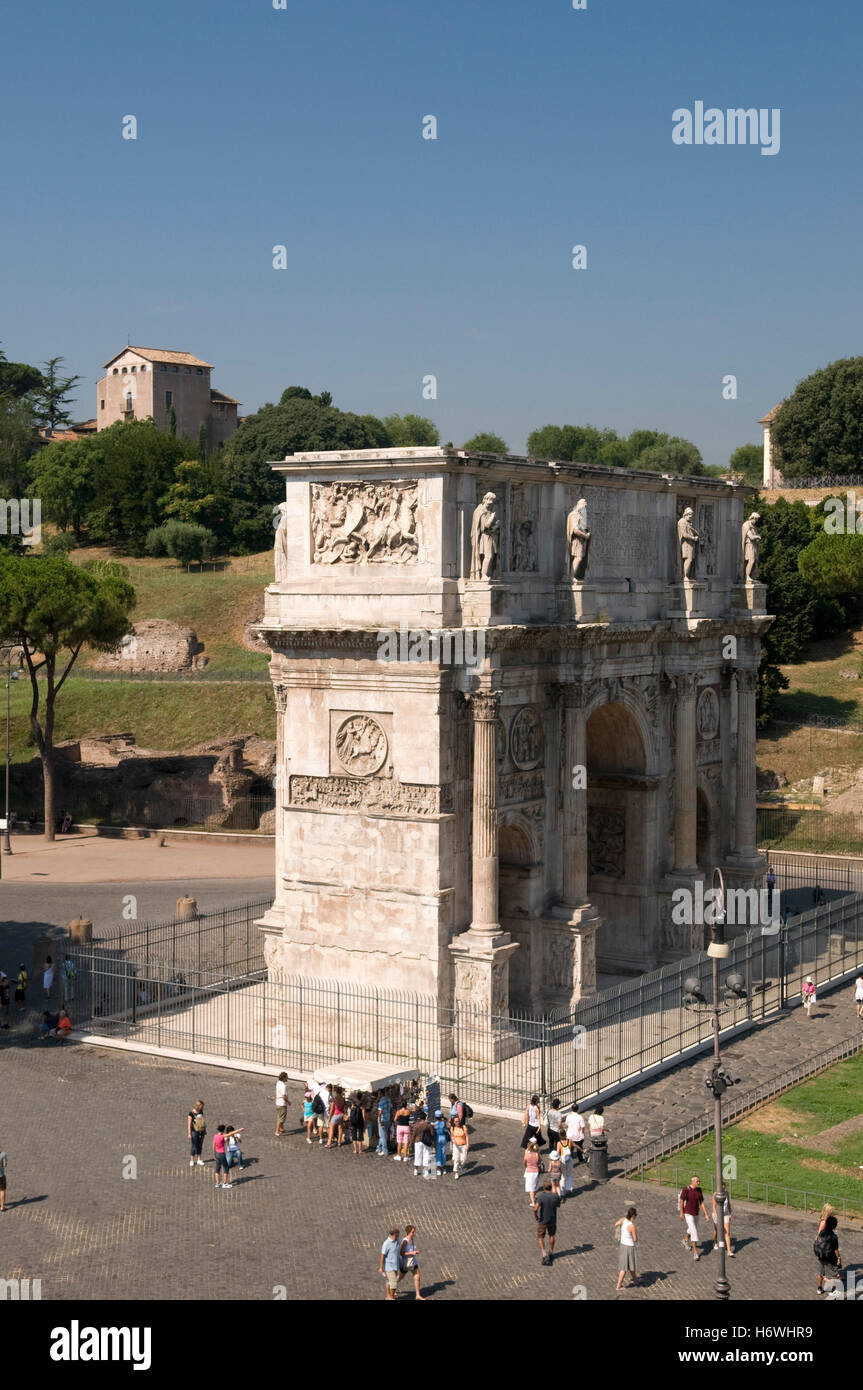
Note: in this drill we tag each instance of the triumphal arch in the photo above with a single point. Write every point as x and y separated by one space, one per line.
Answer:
515 711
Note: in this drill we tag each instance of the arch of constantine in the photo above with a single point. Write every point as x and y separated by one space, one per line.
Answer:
516 711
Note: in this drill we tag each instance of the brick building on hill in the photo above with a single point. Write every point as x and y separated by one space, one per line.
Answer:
139 382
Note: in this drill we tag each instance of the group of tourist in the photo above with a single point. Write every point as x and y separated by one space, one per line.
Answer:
227 1151
566 1138
54 1025
409 1126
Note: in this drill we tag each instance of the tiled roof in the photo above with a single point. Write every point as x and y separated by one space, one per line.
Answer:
180 359
219 396
771 415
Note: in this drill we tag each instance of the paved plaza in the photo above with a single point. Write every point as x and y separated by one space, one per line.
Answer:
306 1220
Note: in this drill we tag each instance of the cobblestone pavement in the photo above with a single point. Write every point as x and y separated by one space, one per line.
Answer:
308 1220
658 1107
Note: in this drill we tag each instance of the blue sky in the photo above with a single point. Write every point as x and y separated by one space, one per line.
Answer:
408 256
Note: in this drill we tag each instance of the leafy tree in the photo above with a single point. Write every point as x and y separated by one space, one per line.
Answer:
566 443
137 468
411 431
202 443
52 608
51 399
65 477
486 444
819 428
833 565
676 456
747 463
172 422
18 440
17 379
299 422
58 544
786 530
182 541
197 495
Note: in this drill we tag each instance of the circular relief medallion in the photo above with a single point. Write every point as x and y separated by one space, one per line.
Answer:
707 713
361 745
525 739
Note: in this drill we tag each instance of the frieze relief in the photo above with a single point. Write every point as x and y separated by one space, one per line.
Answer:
379 795
606 843
364 523
521 786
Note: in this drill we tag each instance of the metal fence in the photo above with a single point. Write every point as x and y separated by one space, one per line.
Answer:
821 832
748 1190
201 987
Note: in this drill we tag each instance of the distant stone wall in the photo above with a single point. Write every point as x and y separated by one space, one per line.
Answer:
153 645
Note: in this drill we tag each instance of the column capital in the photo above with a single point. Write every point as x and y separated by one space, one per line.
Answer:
747 679
684 683
576 694
484 705
280 695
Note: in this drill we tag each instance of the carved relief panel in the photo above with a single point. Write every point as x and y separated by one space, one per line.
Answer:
364 523
360 744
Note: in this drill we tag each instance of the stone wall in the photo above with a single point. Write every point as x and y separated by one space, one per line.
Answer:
153 645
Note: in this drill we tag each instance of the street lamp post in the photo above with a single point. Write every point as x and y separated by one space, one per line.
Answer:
717 1081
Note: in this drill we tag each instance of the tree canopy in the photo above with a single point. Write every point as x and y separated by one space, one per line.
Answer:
411 431
51 608
819 428
646 449
486 443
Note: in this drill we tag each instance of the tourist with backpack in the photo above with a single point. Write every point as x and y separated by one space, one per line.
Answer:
357 1124
826 1250
691 1202
197 1128
321 1106
422 1137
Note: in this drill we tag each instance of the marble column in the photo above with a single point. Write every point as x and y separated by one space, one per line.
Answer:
481 954
685 778
486 873
745 848
575 796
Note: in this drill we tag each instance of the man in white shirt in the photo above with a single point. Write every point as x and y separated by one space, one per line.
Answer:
575 1134
282 1102
322 1089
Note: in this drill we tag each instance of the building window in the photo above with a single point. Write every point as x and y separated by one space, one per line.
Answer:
163 366
125 369
143 369
102 405
188 371
128 400
175 369
169 399
116 370
134 369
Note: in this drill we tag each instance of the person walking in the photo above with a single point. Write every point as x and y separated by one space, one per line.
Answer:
233 1151
691 1202
564 1149
410 1260
68 976
197 1128
357 1124
48 977
770 881
858 995
553 1118
5 996
460 1146
627 1237
282 1103
441 1135
3 1162
309 1116
21 983
554 1169
531 1122
390 1266
402 1122
808 995
532 1169
545 1208
385 1111
457 1110
826 1248
726 1224
575 1133
596 1123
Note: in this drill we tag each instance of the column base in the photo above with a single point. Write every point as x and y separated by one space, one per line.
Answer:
481 995
569 953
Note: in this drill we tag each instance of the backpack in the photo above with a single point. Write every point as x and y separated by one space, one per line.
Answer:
199 1124
823 1248
317 1105
468 1113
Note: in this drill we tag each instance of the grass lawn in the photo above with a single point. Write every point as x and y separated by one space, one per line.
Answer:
170 716
809 1140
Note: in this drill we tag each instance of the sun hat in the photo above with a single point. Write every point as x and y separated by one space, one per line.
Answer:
438 1115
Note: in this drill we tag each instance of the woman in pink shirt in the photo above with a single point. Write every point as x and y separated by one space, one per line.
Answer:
337 1119
220 1139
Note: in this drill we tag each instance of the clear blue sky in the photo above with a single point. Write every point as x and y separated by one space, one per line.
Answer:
303 126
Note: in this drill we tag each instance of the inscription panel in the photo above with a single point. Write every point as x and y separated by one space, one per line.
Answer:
620 546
